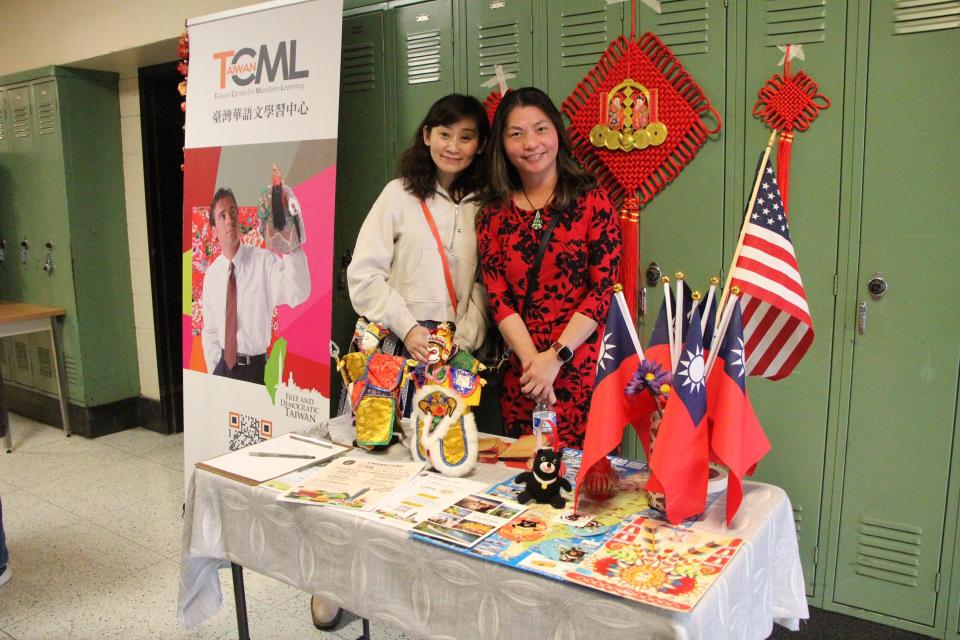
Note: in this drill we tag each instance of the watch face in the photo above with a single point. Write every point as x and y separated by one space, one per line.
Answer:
563 353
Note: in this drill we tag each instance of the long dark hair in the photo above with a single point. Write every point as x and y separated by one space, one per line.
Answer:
502 177
416 167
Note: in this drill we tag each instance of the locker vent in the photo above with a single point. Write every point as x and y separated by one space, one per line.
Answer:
682 25
499 44
46 364
795 22
21 122
22 356
917 16
358 72
71 370
423 57
798 518
3 120
47 118
889 551
583 37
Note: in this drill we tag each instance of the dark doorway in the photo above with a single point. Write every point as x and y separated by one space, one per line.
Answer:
161 122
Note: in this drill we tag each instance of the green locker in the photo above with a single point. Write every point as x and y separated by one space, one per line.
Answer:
364 162
424 63
499 32
67 203
681 229
903 383
578 32
794 412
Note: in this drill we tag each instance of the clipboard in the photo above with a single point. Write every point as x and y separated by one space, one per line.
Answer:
251 470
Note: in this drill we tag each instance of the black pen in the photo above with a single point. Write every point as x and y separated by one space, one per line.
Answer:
266 454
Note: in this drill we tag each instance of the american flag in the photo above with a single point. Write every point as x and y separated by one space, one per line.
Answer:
777 328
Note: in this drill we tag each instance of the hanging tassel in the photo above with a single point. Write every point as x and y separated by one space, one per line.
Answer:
629 266
784 148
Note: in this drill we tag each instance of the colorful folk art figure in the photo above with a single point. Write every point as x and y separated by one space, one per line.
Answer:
447 388
544 480
374 381
279 211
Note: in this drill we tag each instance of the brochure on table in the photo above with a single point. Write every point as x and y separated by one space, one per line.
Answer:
353 483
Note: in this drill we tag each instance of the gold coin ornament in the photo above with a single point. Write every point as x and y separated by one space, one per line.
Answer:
629 119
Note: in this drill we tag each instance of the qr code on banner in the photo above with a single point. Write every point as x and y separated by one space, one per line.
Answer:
247 430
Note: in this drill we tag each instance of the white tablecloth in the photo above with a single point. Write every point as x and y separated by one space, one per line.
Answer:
379 573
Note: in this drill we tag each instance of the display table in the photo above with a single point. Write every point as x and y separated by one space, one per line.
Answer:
18 318
379 573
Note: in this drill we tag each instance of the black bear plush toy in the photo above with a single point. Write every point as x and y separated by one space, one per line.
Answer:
544 480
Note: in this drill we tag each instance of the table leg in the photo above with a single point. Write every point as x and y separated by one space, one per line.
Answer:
240 597
5 420
366 629
59 372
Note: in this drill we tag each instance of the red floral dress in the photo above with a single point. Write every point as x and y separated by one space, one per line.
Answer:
579 269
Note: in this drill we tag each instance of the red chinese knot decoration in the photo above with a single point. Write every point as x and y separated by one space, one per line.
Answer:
636 120
787 103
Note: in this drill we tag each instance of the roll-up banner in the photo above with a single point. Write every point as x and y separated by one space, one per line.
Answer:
259 179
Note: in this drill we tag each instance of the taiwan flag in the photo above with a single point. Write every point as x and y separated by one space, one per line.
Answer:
610 409
658 351
736 437
681 455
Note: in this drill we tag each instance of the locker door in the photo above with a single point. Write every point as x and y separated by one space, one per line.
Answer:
681 229
364 161
6 192
498 32
424 55
22 183
905 363
49 210
578 32
794 411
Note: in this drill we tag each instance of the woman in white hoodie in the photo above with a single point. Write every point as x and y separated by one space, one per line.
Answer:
397 276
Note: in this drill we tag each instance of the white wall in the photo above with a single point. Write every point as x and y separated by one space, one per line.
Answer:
115 36
36 33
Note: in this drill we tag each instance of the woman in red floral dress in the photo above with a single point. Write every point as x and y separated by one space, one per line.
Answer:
534 178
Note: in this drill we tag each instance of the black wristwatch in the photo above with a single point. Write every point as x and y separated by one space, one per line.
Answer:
563 353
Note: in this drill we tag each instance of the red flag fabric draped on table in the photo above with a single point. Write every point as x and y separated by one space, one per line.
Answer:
610 409
777 328
681 456
736 438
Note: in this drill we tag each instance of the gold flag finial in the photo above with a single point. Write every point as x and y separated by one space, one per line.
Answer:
678 275
617 288
696 296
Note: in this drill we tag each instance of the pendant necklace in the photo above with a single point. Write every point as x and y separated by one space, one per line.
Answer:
537 223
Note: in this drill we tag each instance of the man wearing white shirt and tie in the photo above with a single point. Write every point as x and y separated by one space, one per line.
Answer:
241 288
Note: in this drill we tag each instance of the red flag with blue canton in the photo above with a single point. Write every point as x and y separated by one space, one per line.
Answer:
610 409
736 437
681 455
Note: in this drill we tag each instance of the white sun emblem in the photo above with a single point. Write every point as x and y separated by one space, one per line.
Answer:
738 361
693 374
606 347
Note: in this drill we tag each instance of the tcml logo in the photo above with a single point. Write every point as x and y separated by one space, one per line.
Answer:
247 66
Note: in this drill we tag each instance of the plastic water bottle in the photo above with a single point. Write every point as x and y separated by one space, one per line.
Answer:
544 422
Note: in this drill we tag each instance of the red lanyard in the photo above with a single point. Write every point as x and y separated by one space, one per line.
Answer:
443 255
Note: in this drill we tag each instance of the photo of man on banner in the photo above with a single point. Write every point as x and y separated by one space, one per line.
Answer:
241 289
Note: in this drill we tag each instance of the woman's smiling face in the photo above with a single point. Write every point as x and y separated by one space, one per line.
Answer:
531 142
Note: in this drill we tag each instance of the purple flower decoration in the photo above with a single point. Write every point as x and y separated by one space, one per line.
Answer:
649 376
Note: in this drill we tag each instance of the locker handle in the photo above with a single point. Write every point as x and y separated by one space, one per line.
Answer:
862 317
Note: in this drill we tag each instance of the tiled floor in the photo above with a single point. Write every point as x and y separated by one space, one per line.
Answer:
93 528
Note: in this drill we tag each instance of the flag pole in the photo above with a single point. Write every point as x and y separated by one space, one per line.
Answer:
667 301
714 281
678 323
721 331
743 227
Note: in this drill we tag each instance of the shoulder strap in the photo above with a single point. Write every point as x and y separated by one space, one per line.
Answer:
443 255
534 277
